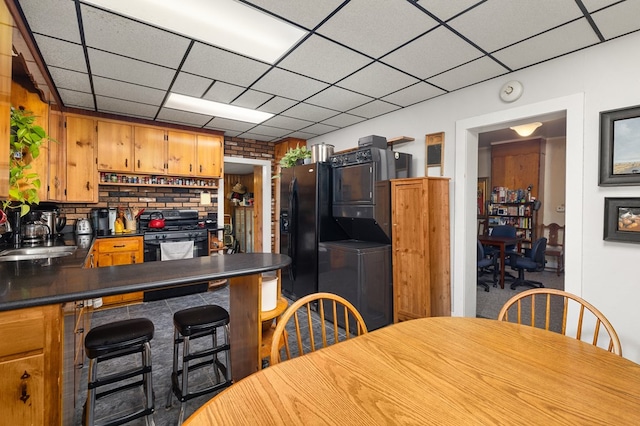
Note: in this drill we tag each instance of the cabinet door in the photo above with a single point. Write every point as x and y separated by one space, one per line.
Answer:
210 156
22 391
82 175
57 177
115 147
150 150
6 51
181 153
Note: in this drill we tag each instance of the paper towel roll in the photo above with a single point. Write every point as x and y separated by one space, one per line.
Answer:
269 293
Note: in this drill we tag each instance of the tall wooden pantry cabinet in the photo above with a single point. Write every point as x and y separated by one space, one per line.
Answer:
420 248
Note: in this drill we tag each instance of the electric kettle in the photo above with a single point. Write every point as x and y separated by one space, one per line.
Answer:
83 227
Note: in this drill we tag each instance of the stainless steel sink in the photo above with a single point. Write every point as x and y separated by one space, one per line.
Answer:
31 253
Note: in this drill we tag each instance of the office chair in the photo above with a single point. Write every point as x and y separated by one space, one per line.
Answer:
487 263
533 262
503 231
589 321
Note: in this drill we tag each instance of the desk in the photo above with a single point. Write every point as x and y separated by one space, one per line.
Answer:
439 370
501 243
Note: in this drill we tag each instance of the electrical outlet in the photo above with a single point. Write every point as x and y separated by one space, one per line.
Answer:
560 208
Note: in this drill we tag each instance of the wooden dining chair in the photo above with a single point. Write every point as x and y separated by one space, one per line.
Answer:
314 322
549 301
555 244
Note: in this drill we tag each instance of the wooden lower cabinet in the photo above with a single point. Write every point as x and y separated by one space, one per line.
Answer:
119 251
420 248
30 366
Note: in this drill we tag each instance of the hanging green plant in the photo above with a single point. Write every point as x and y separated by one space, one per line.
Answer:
292 156
25 140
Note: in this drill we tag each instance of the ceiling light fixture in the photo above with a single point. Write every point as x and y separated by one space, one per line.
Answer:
526 129
224 23
203 106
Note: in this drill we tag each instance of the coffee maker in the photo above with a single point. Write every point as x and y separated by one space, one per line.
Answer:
103 222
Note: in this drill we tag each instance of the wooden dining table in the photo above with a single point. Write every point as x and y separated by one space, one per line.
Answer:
500 242
441 370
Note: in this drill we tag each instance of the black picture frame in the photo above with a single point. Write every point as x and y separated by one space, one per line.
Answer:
619 153
622 220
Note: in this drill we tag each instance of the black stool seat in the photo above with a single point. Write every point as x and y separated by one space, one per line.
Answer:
200 318
105 339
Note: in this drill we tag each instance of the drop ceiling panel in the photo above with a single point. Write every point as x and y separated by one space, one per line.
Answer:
40 14
374 109
75 99
176 116
273 132
307 13
112 33
223 92
377 80
343 120
301 135
285 122
73 80
423 58
457 78
252 99
593 5
364 25
564 39
310 112
277 104
257 136
445 10
219 64
495 24
129 70
127 91
619 19
313 56
320 129
190 85
226 124
338 99
288 84
413 94
62 54
127 108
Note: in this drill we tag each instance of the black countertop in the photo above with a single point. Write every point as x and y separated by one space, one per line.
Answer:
44 282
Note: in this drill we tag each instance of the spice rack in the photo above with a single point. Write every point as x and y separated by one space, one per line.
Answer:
156 180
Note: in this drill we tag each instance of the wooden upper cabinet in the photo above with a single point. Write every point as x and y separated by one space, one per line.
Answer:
115 147
57 177
210 156
82 176
181 153
149 150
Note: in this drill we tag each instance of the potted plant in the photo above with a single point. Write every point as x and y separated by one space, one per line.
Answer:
295 156
24 146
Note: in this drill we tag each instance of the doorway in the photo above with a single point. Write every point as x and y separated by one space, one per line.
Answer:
260 173
465 193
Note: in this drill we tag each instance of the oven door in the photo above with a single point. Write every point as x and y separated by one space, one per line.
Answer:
152 250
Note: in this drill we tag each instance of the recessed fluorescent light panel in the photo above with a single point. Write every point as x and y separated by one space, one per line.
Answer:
223 23
203 106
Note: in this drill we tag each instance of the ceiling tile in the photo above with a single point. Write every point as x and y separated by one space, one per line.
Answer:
323 59
227 124
124 69
377 80
307 13
127 91
343 120
507 25
320 129
252 99
301 135
65 79
223 92
62 54
41 12
190 85
126 108
270 131
457 78
229 133
425 57
285 122
257 137
593 5
361 24
373 109
277 104
310 112
183 117
338 99
112 33
218 64
445 10
75 99
564 39
288 84
619 19
413 94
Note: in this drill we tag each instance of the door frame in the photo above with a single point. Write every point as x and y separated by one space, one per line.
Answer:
464 231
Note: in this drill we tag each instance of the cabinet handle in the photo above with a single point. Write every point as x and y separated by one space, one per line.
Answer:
133 258
138 163
88 186
126 162
80 331
190 167
91 261
200 168
24 392
118 246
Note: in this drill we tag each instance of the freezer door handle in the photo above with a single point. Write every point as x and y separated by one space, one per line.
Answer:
293 228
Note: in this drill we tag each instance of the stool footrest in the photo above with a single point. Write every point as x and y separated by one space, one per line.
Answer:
116 377
175 384
208 352
129 417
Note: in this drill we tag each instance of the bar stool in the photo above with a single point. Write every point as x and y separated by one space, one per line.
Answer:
113 340
190 324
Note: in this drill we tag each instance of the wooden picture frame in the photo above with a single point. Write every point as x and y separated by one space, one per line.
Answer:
483 193
622 220
619 149
434 154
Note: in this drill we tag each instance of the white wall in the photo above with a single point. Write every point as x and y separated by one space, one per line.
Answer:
584 83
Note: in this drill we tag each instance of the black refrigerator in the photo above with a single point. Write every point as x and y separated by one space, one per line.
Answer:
305 221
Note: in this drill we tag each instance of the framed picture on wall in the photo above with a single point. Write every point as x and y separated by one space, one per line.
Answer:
434 154
483 186
622 219
620 147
